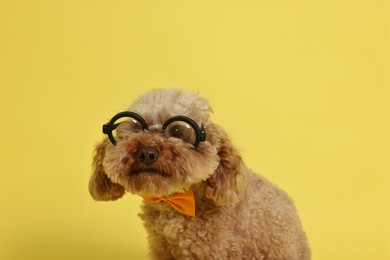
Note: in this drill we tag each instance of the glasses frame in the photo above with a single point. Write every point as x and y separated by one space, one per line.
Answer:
111 126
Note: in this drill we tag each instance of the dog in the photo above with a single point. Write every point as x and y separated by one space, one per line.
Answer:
200 201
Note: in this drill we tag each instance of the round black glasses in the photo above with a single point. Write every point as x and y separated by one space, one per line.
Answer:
126 124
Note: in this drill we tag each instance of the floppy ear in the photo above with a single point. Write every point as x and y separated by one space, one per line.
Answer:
227 182
100 186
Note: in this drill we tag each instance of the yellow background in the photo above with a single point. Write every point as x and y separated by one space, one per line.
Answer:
301 86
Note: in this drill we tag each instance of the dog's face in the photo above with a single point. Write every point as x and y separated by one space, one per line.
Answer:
153 152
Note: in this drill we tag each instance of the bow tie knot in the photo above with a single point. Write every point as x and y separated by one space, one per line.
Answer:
181 202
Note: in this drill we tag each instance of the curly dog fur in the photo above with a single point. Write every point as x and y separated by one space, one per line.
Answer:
239 214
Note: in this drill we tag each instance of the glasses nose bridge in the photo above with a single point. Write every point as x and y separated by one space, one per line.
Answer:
154 127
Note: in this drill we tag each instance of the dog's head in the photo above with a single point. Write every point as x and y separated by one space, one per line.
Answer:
164 144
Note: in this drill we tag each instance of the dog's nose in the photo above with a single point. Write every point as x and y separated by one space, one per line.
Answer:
148 155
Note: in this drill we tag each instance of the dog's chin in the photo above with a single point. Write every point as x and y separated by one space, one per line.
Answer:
153 182
149 182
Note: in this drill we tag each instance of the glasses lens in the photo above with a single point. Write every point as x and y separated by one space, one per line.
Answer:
124 127
181 130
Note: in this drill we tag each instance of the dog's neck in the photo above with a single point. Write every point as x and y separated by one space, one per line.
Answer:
181 202
187 202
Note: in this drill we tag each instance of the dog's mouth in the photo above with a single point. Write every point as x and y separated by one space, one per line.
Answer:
149 171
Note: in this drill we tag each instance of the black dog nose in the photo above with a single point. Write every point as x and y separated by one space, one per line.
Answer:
148 155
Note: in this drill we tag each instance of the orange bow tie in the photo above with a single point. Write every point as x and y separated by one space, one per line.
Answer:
182 202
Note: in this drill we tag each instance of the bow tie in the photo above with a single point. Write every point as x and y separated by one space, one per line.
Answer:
181 202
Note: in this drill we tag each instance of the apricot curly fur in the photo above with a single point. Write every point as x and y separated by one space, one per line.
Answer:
239 214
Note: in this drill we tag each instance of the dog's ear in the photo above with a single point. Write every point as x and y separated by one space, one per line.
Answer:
227 182
100 186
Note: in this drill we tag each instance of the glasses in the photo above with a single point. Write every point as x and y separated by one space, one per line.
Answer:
125 124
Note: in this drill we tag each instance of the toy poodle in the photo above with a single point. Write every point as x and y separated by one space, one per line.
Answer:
200 201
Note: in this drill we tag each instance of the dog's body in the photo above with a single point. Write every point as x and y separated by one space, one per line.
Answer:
239 214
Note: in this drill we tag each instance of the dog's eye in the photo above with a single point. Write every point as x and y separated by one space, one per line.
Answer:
125 127
182 131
